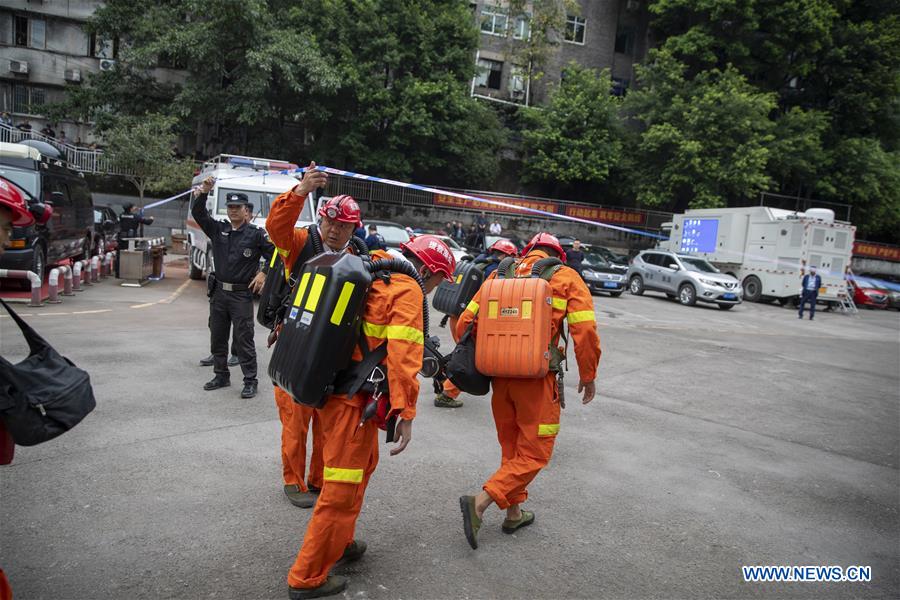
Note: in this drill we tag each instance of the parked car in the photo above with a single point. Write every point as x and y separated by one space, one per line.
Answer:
885 280
490 240
393 233
566 242
458 251
601 275
687 278
106 230
867 293
40 172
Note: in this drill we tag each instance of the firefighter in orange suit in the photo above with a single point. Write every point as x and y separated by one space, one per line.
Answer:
393 315
527 411
339 217
449 396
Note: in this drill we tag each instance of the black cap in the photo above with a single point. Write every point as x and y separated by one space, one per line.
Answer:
236 198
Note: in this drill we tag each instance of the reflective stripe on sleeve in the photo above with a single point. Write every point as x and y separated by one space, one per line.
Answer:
393 332
547 429
472 307
343 475
580 316
560 303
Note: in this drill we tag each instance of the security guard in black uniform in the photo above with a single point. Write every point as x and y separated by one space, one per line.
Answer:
129 225
237 247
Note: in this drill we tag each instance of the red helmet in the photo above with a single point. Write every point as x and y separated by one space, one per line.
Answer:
504 246
545 239
13 200
433 253
342 208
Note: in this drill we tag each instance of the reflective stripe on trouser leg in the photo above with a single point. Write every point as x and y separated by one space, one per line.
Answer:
293 453
521 407
349 449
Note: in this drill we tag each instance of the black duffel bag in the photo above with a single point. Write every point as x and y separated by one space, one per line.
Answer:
43 396
461 369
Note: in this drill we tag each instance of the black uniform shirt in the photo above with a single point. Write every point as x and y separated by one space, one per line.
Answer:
236 252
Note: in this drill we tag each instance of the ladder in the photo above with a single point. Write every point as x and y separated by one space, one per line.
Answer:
848 306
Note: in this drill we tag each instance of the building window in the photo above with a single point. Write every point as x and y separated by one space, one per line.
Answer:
625 40
493 20
38 33
28 99
575 27
101 47
489 73
21 30
522 27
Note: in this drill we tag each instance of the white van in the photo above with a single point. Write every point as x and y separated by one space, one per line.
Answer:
259 178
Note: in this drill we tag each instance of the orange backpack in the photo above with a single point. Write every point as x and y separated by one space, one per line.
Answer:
514 322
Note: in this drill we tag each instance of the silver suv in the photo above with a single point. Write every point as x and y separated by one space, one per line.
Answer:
688 278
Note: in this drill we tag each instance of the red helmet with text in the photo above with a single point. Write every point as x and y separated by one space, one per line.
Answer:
13 200
433 253
547 240
343 209
504 246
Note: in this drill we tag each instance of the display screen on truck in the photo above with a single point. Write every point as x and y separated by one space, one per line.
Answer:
699 235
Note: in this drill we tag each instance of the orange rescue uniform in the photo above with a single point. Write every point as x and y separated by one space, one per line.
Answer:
526 411
295 418
392 316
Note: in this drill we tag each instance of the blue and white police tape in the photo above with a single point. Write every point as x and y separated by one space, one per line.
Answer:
422 188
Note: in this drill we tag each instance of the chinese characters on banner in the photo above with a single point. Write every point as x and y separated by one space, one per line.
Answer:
873 250
606 215
592 213
445 200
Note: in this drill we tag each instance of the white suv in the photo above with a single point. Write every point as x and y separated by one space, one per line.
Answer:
688 278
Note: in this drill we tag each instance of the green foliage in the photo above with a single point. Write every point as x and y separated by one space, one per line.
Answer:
860 172
577 138
703 141
403 109
143 146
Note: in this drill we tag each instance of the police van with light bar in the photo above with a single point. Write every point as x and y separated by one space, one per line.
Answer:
260 179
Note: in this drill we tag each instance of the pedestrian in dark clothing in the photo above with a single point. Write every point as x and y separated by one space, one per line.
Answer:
575 256
237 247
360 232
129 224
810 292
375 241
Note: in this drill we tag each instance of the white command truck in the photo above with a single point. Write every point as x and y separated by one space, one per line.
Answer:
258 178
768 249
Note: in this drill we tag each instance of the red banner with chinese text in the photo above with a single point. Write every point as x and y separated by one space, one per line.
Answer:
543 205
879 251
607 215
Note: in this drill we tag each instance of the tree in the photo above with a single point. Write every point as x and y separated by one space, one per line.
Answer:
577 138
702 141
403 109
142 147
860 172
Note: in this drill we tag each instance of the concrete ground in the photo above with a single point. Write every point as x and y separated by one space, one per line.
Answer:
718 439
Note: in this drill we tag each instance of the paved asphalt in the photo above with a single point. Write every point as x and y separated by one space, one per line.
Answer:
719 439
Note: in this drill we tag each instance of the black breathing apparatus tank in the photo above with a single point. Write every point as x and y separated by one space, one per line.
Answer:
323 322
451 297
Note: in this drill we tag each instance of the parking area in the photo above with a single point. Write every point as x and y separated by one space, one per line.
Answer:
718 439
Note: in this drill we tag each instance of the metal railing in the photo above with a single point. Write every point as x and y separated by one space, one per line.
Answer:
83 159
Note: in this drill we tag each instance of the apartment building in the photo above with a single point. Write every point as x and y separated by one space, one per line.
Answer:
44 47
600 34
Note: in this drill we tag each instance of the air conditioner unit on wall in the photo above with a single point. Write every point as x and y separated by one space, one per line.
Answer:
73 75
18 66
107 64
